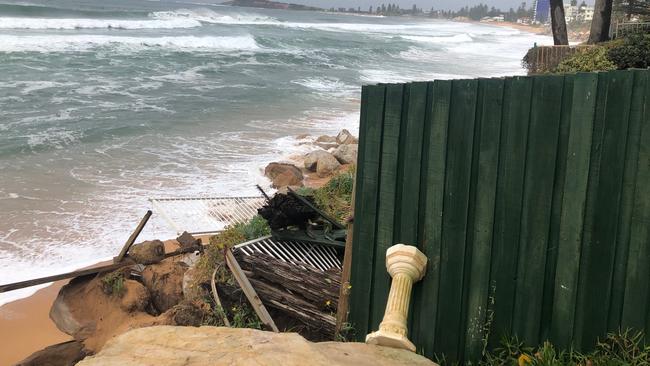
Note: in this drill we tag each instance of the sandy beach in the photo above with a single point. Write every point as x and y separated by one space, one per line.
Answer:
25 325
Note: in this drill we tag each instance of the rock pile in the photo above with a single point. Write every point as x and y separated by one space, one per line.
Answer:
332 155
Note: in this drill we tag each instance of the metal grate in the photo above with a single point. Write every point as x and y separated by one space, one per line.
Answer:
202 215
294 252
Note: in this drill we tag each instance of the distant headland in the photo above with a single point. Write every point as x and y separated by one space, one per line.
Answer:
270 5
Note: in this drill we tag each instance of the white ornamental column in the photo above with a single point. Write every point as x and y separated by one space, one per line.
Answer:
406 265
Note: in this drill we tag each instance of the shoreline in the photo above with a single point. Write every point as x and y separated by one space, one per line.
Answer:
541 31
25 322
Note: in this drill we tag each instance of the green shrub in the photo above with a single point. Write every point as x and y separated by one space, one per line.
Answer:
113 284
255 228
633 52
335 197
591 59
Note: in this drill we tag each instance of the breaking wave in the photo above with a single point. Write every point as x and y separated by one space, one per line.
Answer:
80 23
61 43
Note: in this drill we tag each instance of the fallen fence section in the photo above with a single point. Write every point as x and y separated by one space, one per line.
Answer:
530 196
204 215
293 252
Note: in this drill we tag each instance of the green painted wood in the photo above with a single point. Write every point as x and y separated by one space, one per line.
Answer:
533 210
626 203
543 135
603 210
387 195
434 161
449 333
361 275
410 165
514 137
486 159
556 208
573 207
637 290
406 220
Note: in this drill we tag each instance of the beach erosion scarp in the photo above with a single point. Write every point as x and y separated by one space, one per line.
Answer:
321 158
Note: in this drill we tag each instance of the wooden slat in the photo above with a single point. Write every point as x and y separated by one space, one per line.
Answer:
457 181
366 207
601 224
514 137
480 237
249 291
434 161
573 208
556 208
637 286
543 135
409 171
627 203
387 196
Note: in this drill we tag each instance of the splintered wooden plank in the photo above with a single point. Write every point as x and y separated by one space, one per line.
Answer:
434 161
573 207
250 292
627 202
486 160
602 216
507 216
363 247
637 290
556 208
449 332
387 195
543 135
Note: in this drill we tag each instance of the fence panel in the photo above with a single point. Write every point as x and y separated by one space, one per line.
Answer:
530 197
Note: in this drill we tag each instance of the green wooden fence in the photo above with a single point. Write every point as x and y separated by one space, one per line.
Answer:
529 195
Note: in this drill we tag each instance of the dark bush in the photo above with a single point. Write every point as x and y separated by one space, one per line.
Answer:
633 52
588 60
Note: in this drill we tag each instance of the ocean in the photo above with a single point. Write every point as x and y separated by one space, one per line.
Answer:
104 104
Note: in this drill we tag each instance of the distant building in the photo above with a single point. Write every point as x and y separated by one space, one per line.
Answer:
542 11
581 13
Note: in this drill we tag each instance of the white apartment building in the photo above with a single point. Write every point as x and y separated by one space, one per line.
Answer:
573 13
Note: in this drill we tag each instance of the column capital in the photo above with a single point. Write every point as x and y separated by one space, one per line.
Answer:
401 258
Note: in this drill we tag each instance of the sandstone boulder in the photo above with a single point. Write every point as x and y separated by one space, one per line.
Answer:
347 154
326 139
326 146
148 252
169 345
311 159
186 240
165 283
345 137
284 174
186 313
62 354
135 297
327 165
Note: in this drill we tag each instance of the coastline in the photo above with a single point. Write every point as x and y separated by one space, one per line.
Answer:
520 27
26 325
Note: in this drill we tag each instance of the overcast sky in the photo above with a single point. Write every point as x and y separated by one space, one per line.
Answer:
425 4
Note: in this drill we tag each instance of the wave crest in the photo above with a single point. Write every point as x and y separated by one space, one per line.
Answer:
60 43
81 23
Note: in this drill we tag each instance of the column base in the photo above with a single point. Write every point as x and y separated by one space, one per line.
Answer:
393 340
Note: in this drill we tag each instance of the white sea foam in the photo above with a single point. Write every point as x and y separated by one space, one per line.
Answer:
208 16
60 43
328 86
455 39
80 23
